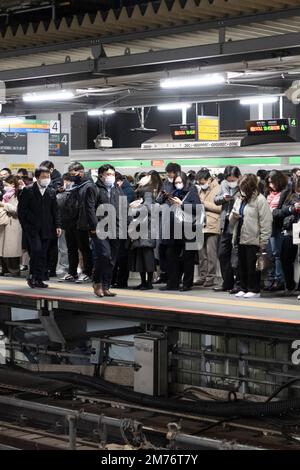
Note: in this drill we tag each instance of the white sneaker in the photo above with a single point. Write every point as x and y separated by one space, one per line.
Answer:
240 294
298 298
83 278
251 295
67 278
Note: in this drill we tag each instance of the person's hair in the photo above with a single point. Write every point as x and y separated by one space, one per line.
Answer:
67 177
185 180
6 169
278 179
203 173
23 171
191 175
75 166
220 177
119 177
231 171
48 164
105 168
249 185
173 168
12 179
130 179
141 175
262 174
40 170
296 185
155 182
294 170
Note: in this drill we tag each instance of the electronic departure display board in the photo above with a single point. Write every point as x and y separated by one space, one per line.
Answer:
13 143
270 126
183 131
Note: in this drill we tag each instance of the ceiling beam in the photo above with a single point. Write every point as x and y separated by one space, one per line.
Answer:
152 33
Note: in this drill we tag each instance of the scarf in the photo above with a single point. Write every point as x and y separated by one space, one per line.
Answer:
8 195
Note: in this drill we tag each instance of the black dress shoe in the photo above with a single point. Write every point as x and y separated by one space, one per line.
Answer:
168 288
31 283
147 287
185 288
219 289
139 287
41 285
235 290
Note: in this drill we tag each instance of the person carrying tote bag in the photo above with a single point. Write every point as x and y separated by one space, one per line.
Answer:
10 229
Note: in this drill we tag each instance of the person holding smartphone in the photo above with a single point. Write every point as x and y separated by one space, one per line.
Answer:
226 198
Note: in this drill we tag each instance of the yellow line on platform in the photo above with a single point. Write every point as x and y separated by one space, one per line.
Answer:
165 296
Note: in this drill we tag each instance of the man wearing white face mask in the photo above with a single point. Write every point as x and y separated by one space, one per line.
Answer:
40 220
104 251
208 190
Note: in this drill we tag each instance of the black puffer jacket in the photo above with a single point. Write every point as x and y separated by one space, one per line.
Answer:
278 214
95 196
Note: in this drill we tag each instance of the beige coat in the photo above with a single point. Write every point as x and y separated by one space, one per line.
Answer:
257 224
212 211
11 233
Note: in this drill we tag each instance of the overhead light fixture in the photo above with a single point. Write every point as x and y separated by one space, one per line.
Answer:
57 95
100 112
9 121
259 100
193 81
173 106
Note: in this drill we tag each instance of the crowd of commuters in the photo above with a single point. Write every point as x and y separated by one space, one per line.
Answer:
49 225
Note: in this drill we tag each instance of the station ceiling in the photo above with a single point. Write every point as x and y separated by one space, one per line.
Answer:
126 51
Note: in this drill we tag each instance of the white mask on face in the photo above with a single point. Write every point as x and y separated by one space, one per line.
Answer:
109 180
179 185
145 180
204 186
232 184
44 182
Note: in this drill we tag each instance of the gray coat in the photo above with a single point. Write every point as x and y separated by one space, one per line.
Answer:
257 222
226 205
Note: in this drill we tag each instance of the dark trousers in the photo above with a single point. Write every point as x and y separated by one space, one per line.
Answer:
163 261
224 254
105 254
78 240
249 277
121 270
288 257
52 256
10 265
180 261
38 249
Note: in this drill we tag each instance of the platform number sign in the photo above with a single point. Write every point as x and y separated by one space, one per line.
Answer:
54 127
58 145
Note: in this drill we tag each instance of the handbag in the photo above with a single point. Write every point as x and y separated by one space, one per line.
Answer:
4 218
263 262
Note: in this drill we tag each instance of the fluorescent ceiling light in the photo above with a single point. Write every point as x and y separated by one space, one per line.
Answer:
57 95
9 121
259 100
171 106
100 112
193 81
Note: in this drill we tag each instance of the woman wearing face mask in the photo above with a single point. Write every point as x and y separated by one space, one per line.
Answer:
290 213
277 191
208 189
141 256
227 195
10 229
180 259
251 218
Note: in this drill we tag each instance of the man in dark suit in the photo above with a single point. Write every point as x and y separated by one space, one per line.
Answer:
39 216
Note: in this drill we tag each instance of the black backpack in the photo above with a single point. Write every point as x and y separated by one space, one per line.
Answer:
69 205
